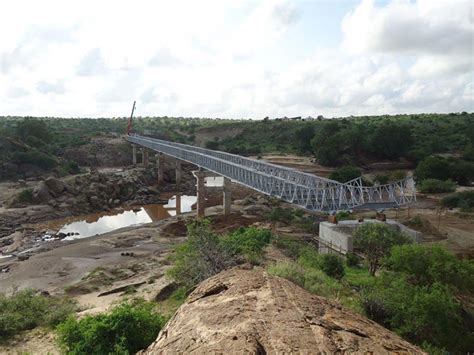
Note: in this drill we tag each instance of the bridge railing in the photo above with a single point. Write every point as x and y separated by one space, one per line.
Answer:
306 190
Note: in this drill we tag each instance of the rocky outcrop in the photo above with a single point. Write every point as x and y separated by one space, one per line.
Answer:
250 311
56 186
41 193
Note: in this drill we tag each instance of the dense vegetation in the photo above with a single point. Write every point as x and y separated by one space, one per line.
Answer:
128 328
418 293
205 253
344 141
28 309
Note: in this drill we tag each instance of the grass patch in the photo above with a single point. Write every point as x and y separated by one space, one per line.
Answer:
26 195
28 309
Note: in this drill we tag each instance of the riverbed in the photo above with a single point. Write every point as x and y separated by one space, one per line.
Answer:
89 225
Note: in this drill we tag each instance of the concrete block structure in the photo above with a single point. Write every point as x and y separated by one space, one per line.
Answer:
340 237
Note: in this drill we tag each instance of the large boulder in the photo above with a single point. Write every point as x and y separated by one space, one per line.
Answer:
41 193
55 185
249 311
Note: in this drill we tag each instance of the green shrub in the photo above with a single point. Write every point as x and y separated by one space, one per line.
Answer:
34 157
436 186
72 167
344 215
352 259
375 240
248 242
463 200
290 247
346 173
205 253
382 179
420 314
312 280
27 309
128 328
332 265
434 167
25 195
398 175
278 214
201 256
426 265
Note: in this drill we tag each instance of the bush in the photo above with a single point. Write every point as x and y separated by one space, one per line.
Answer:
214 145
248 242
201 256
382 179
128 328
463 200
279 214
436 186
352 259
426 265
345 174
205 253
35 157
27 309
375 240
25 195
312 280
420 314
332 265
433 167
344 215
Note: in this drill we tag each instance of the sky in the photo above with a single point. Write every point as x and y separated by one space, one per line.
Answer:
236 59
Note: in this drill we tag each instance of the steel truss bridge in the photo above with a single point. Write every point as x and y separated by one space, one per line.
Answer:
305 190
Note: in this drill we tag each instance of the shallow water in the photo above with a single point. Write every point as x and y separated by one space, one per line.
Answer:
99 223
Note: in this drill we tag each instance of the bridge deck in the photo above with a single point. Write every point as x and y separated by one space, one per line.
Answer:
305 190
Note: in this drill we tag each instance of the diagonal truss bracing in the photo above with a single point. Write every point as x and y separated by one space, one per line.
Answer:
305 190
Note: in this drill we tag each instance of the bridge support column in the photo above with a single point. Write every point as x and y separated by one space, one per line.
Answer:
178 202
178 175
134 154
145 157
160 161
201 192
227 200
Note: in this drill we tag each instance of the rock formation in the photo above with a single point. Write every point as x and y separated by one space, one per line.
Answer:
249 311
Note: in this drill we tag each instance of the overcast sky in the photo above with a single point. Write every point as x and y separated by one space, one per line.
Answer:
235 59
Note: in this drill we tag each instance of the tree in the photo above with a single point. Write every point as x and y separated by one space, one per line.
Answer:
391 140
375 240
30 127
345 173
427 265
434 167
332 266
303 138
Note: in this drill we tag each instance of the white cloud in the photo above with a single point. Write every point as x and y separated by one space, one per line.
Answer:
92 64
232 59
55 88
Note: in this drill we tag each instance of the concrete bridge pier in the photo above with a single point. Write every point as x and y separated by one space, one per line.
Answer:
134 154
178 202
160 165
178 174
144 157
201 192
227 200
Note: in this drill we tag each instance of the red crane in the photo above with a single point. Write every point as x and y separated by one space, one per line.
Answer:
129 126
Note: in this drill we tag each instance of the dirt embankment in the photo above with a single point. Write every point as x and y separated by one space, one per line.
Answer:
249 311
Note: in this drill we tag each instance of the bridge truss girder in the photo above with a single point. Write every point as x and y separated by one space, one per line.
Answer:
305 190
